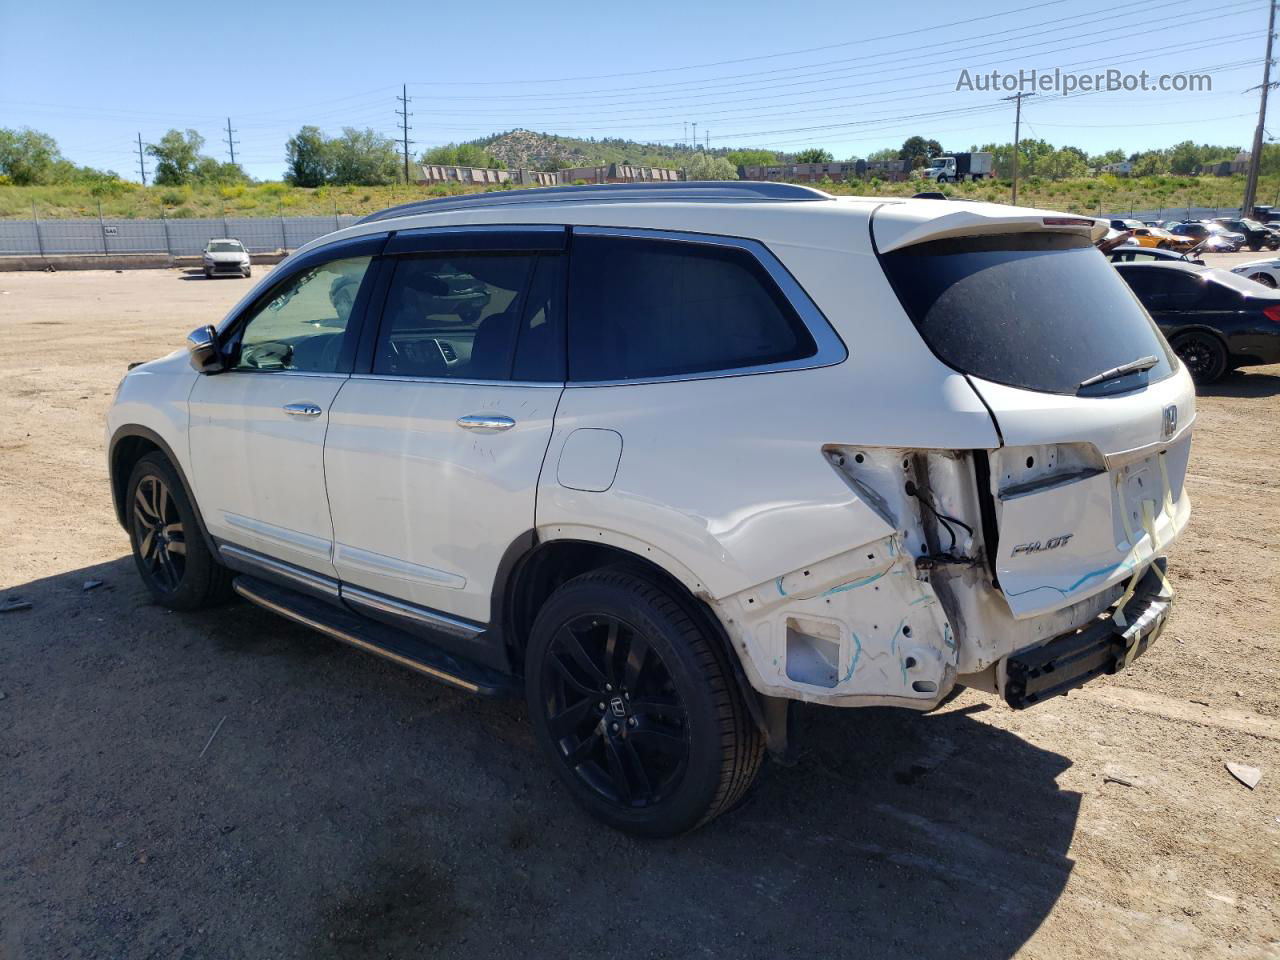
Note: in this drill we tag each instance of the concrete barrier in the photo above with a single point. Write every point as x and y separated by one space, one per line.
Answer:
122 261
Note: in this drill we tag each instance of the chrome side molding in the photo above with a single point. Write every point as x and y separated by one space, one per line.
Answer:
251 562
411 613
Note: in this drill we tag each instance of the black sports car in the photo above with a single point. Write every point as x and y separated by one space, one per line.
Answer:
1214 320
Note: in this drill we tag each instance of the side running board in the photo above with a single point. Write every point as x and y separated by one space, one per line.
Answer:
373 637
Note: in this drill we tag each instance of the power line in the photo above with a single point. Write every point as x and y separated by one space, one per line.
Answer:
1255 156
404 115
142 164
1017 125
934 28
230 141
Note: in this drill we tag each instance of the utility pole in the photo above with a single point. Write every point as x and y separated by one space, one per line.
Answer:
685 138
706 134
231 142
1017 131
1255 158
404 115
142 164
695 134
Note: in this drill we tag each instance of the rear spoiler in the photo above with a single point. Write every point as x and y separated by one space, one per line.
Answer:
899 227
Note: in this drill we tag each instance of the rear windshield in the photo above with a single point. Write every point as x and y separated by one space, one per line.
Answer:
1042 311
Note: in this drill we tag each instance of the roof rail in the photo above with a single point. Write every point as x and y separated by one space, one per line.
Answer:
712 191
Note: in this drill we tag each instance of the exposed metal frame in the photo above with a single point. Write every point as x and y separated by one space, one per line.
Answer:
700 191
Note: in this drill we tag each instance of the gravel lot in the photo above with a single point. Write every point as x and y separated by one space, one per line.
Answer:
349 808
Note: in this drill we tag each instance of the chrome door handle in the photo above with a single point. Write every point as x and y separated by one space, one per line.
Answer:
302 410
485 422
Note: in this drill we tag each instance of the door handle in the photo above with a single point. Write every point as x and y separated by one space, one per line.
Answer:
486 422
302 410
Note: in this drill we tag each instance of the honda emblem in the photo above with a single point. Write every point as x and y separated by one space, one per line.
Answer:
1169 425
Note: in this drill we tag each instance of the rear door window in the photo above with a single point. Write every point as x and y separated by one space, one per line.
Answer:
473 316
645 308
1042 311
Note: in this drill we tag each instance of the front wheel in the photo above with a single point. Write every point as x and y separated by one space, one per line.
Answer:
169 550
1263 278
1204 355
636 706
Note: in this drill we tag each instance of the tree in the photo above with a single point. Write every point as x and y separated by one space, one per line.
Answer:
29 157
1064 163
210 170
364 157
1109 157
176 156
1151 162
462 155
704 166
310 158
751 158
814 155
888 153
916 150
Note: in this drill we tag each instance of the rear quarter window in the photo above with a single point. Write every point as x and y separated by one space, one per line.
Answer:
1042 311
646 308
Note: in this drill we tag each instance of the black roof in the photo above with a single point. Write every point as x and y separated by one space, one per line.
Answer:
711 191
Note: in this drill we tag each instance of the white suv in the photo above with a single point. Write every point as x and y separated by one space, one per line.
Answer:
673 457
225 258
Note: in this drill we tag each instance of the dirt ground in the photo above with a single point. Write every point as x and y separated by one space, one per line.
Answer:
349 808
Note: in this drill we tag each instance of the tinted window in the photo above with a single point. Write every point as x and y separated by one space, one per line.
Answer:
1042 311
652 308
303 325
474 317
1165 289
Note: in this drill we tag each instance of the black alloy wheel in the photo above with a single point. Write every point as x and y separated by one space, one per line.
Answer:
613 711
169 548
633 700
161 537
1204 355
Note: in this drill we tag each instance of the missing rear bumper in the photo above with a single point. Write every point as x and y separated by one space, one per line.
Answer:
1103 647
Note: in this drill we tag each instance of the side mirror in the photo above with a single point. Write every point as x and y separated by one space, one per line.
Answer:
202 346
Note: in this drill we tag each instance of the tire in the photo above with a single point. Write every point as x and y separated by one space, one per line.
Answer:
1204 355
680 753
1255 247
248 272
169 551
1263 278
208 274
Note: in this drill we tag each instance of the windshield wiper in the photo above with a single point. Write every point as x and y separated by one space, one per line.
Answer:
1133 366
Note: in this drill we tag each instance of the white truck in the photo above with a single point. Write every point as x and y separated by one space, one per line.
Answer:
960 166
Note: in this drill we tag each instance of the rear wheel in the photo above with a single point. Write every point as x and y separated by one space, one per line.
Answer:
168 549
636 708
1263 278
1204 355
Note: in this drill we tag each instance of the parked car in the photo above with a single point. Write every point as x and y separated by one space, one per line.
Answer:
1162 239
1121 223
1265 272
226 258
1129 253
676 475
1256 236
1215 320
1213 237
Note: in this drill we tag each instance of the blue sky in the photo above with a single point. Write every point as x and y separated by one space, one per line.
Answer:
752 73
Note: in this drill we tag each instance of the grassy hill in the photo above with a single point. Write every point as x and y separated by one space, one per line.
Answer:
1092 195
545 151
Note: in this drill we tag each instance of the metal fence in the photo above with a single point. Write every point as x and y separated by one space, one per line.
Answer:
178 238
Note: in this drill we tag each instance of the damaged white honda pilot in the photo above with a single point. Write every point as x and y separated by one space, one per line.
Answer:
670 458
